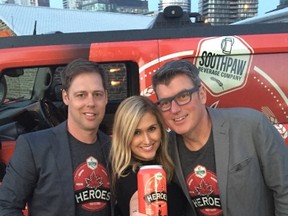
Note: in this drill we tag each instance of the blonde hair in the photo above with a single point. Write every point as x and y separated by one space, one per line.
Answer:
127 118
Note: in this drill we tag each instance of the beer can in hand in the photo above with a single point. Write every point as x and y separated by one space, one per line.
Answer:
152 190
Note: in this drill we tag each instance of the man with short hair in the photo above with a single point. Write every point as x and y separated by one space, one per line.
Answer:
64 170
229 161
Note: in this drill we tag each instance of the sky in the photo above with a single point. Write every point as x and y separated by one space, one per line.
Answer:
263 7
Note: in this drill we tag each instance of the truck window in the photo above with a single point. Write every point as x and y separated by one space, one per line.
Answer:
19 83
33 98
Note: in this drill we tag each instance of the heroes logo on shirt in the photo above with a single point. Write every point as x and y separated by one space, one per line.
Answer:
92 186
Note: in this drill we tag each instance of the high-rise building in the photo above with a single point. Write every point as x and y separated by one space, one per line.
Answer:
70 4
223 12
283 4
119 6
185 4
44 3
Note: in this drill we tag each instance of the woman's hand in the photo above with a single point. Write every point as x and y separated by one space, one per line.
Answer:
134 206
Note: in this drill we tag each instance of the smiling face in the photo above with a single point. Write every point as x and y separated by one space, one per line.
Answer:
86 100
182 119
147 138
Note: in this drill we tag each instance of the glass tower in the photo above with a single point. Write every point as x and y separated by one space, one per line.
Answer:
223 12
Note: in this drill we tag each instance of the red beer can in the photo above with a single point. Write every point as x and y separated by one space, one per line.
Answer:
152 190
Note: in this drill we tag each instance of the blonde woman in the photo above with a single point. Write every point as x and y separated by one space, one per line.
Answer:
139 138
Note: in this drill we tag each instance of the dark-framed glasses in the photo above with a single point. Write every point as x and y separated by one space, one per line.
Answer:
182 98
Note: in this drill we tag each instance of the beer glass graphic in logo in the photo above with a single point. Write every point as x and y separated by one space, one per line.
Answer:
223 63
227 44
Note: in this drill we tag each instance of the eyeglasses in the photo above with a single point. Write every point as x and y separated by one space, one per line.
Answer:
181 99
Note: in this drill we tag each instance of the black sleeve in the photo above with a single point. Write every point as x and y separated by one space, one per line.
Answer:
177 202
125 188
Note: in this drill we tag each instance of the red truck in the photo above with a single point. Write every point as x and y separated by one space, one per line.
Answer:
240 66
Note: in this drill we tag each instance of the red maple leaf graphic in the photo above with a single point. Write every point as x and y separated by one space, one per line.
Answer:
94 181
204 189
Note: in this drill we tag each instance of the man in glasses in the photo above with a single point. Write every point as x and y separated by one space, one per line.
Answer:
228 161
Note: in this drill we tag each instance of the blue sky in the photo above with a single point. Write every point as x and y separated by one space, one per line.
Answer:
264 5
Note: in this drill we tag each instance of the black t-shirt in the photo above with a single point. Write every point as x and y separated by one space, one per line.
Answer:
91 179
199 170
127 186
